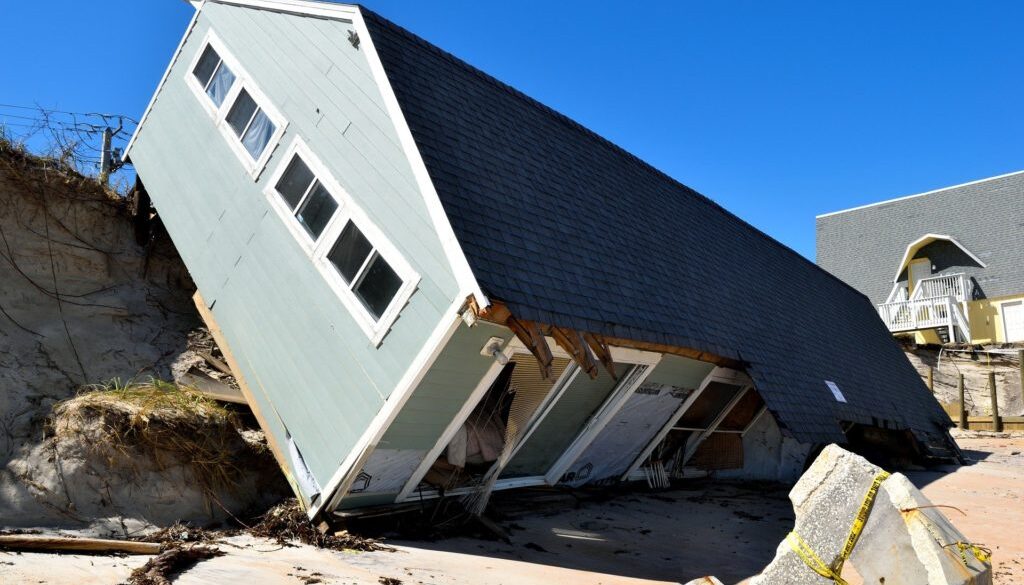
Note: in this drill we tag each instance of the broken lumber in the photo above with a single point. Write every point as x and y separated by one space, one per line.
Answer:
31 542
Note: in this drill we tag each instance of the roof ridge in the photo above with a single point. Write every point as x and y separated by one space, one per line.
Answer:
615 148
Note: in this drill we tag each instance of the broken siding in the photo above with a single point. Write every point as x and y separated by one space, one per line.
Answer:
288 328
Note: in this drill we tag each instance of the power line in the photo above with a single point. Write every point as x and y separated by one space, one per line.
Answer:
91 114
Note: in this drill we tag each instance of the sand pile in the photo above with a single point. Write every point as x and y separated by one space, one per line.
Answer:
85 300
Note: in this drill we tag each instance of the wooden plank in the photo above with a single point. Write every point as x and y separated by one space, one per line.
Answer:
214 388
499 313
86 545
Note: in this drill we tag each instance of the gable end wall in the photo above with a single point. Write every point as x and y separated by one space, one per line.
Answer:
309 364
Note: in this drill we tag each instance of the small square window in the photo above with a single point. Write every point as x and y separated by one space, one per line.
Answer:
241 113
316 210
251 124
207 64
294 182
350 253
379 286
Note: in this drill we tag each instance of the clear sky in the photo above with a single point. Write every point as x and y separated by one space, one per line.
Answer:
777 110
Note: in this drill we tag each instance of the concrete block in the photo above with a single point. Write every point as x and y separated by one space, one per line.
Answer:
903 541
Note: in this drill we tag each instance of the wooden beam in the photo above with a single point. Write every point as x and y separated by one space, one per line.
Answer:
530 334
601 350
575 345
500 314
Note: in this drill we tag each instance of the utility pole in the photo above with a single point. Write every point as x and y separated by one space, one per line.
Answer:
106 158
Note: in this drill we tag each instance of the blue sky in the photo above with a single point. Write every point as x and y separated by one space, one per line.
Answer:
777 110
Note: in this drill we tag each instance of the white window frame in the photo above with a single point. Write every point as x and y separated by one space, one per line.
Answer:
219 114
375 329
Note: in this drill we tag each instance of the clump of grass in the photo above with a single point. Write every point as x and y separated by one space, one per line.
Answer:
154 424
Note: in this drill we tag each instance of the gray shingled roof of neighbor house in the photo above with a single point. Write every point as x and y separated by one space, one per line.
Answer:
571 230
863 246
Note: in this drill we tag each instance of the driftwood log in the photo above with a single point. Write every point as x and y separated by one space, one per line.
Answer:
81 545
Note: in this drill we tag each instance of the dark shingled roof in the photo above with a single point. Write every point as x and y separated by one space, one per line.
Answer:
571 230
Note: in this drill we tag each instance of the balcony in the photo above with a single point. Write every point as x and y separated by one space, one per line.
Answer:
936 303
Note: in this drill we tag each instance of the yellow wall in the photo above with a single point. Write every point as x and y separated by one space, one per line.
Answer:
986 319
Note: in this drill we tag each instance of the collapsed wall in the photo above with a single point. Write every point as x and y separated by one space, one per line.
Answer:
81 303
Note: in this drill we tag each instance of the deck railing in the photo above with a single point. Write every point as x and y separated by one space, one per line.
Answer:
949 285
927 313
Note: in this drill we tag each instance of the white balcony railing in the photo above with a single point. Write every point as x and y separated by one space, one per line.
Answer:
916 314
940 311
950 285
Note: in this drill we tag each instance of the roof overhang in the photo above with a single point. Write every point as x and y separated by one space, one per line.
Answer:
923 241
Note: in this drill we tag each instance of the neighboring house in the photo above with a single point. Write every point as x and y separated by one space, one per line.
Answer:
431 284
945 266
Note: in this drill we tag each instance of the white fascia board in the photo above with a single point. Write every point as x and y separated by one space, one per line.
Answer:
337 487
939 190
332 10
926 239
464 276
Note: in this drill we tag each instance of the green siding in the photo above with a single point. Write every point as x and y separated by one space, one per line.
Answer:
680 372
438 398
309 364
563 424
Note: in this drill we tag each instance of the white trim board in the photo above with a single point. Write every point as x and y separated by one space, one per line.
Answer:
464 276
338 485
933 237
515 346
894 200
218 114
348 210
719 374
604 415
511 348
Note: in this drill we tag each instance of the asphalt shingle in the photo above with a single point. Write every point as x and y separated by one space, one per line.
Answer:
569 229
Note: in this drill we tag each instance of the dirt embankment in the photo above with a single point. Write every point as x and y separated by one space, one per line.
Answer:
975 368
83 303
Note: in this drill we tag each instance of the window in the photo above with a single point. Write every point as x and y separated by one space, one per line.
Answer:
369 275
306 198
213 75
241 112
250 124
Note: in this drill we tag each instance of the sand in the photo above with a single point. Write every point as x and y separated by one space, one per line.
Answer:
639 538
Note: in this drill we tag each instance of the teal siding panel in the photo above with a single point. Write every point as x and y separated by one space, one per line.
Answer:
310 366
562 424
680 372
355 138
454 376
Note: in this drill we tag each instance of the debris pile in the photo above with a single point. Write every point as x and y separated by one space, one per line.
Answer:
287 522
161 569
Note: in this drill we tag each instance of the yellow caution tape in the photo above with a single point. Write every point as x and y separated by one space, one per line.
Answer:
981 553
833 572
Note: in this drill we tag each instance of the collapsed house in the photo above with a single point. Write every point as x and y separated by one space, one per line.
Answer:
430 284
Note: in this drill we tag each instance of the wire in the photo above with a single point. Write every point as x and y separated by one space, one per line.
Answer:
92 114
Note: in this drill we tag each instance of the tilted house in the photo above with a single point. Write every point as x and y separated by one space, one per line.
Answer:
942 266
431 284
